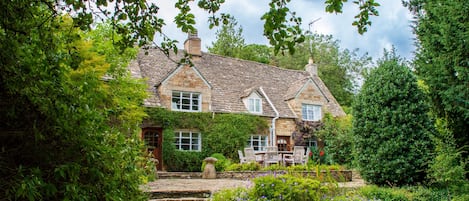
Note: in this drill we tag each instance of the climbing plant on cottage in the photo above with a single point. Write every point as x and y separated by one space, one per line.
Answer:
221 133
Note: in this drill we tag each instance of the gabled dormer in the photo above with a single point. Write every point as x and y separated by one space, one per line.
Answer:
253 102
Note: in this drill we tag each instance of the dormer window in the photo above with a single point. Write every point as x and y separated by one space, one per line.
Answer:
311 112
254 105
186 101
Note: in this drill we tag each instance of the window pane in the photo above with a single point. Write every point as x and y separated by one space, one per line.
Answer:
304 112
317 113
186 95
185 101
258 105
187 141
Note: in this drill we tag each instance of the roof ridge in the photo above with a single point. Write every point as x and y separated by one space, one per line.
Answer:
256 62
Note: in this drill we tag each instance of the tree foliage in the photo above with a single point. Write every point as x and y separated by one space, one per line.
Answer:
391 126
338 138
442 61
230 41
67 134
339 69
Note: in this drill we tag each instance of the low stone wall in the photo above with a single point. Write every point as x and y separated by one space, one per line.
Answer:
338 175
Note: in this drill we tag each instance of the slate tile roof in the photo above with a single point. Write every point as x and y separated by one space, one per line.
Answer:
231 80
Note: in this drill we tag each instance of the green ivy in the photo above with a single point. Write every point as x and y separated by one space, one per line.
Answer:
221 133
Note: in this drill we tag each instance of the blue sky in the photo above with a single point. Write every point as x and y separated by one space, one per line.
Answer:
392 27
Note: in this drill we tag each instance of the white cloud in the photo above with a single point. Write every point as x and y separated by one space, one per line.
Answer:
390 28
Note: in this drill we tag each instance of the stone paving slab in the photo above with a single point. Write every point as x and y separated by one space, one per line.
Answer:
212 185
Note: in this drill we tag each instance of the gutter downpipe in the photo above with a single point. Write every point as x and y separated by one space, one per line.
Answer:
272 128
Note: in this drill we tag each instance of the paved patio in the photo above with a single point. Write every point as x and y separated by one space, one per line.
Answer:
213 185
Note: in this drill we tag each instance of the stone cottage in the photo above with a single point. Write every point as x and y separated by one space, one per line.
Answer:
220 84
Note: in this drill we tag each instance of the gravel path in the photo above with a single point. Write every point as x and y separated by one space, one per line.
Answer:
214 185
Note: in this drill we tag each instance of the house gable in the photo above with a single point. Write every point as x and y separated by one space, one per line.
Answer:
254 95
185 79
309 93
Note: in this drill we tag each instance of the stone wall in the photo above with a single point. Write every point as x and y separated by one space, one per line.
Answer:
339 176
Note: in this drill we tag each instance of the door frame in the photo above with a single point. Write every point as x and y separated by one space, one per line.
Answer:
157 149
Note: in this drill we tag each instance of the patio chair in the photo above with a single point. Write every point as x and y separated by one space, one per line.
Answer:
249 155
271 156
298 156
306 158
242 159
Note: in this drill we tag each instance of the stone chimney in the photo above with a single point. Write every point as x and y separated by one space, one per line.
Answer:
192 45
311 67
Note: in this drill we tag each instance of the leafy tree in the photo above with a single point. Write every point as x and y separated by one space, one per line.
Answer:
339 69
229 41
391 126
67 134
442 61
256 52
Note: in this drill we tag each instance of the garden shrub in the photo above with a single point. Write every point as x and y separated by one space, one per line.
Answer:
318 156
179 161
287 187
237 194
420 193
221 164
392 130
338 139
274 167
385 194
252 166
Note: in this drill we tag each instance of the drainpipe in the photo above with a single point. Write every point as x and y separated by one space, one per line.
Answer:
272 131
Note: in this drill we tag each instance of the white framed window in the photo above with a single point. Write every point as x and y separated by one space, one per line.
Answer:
188 140
255 105
186 101
311 112
311 142
258 142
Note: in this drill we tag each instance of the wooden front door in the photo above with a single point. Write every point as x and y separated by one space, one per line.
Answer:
283 143
153 138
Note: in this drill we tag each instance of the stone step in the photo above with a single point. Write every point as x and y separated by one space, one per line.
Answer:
180 195
356 175
181 199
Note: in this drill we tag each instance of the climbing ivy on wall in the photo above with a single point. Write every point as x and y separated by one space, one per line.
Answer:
221 133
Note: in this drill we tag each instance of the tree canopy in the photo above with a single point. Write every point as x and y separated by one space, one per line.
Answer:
442 61
230 40
70 112
339 68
